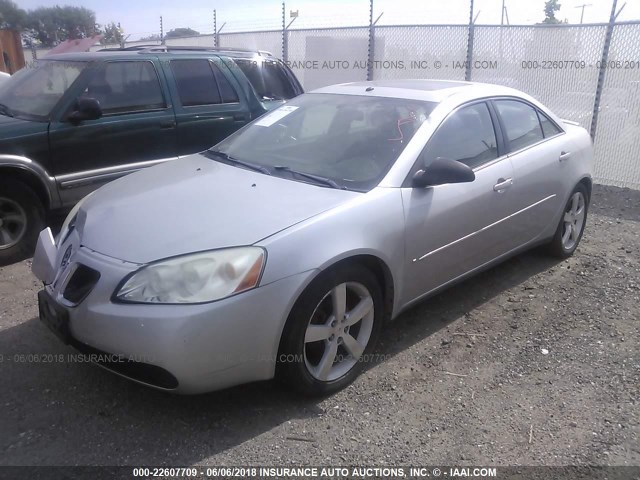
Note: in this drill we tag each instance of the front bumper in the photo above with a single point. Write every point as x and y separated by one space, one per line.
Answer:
205 347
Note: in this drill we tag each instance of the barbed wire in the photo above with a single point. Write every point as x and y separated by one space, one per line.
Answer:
315 15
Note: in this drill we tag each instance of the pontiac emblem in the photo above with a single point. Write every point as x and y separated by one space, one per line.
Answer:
65 257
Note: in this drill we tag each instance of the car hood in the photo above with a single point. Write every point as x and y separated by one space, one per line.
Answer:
195 204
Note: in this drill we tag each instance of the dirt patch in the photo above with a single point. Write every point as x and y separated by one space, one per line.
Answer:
535 362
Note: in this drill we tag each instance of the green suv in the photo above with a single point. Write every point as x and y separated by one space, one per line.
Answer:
72 122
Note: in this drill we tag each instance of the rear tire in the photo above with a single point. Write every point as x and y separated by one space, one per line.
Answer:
22 218
331 331
571 226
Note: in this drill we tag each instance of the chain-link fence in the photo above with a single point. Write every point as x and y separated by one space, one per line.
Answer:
419 52
326 56
524 59
617 139
270 41
558 64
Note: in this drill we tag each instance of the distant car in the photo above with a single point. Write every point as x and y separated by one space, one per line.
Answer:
75 121
283 249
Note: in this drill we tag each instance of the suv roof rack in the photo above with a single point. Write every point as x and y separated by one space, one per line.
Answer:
180 48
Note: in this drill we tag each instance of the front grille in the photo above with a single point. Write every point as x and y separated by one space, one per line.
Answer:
80 284
139 371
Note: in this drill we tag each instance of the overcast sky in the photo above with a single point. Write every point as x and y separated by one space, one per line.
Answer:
141 17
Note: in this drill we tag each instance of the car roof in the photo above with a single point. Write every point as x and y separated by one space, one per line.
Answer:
156 51
420 89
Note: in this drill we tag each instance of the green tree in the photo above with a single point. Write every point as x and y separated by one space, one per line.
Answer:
113 33
550 9
11 16
181 32
52 25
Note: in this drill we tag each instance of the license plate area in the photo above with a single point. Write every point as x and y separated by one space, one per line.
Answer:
54 316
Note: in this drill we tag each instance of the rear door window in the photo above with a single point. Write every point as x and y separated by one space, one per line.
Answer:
200 82
196 82
521 123
227 92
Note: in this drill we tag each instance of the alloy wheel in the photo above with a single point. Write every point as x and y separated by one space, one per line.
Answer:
339 331
13 223
573 221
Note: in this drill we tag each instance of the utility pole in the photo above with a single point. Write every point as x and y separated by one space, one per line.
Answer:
467 73
215 30
501 25
583 6
161 32
285 36
603 69
371 47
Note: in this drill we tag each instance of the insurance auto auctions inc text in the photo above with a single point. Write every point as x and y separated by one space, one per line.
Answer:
376 472
391 64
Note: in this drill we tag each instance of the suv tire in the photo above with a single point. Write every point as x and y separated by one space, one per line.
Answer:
22 217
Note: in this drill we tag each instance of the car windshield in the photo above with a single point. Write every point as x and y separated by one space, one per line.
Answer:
345 140
34 91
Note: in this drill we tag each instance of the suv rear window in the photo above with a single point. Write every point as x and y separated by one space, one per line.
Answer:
268 77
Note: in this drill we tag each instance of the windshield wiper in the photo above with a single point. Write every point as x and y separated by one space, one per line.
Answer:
4 110
318 179
242 163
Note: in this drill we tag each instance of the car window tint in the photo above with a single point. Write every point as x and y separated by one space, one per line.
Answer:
126 87
549 129
227 92
196 82
268 79
521 123
466 136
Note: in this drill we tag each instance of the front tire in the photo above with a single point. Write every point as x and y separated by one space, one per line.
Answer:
21 220
332 329
571 226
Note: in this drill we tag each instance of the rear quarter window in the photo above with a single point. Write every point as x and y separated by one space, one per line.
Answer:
268 78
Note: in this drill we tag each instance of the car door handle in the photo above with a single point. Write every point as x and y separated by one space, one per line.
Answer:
565 156
164 125
503 184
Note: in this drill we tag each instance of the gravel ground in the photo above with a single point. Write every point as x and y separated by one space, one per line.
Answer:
535 362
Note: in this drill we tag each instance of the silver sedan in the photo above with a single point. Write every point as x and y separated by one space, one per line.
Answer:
282 250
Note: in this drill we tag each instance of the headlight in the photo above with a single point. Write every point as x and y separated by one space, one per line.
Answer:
69 222
195 278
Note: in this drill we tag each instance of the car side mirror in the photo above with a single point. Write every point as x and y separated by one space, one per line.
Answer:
441 171
86 108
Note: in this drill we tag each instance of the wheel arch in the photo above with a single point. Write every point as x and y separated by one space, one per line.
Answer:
587 181
31 174
372 262
380 269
